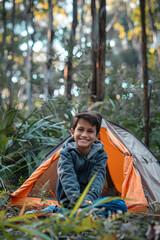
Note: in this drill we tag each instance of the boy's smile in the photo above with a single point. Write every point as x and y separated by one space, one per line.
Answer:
84 135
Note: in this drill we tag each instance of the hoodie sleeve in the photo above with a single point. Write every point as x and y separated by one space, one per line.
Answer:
67 176
99 167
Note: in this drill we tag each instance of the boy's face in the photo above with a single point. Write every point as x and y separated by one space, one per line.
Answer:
84 135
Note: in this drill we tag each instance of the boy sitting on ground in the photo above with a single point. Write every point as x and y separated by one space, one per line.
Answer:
81 157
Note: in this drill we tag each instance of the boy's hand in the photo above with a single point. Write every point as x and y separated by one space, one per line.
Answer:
89 202
85 204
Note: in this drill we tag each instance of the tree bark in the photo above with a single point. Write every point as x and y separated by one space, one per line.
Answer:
68 67
4 27
82 21
101 51
2 55
10 104
94 36
28 16
50 36
146 107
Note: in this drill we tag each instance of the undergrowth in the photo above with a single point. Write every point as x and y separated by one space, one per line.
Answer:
84 226
17 223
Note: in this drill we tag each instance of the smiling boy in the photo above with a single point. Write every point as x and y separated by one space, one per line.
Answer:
81 157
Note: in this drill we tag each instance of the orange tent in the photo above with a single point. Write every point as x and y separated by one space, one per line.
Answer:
133 170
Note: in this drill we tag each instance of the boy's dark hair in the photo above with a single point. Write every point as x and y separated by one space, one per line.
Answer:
93 117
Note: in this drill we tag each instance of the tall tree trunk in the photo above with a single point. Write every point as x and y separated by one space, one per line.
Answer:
3 58
10 104
146 107
68 67
93 86
50 36
4 27
82 21
101 51
3 53
28 16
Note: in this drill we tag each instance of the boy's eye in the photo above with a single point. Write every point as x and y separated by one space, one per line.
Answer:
90 131
80 129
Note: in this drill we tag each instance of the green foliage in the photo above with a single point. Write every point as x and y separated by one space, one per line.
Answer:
61 109
71 222
7 129
123 103
84 226
34 135
4 196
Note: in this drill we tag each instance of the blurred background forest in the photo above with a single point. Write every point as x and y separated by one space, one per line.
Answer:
58 57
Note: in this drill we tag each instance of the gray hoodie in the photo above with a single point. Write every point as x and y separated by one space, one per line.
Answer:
75 171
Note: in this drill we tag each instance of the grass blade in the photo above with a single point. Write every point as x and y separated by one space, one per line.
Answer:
82 196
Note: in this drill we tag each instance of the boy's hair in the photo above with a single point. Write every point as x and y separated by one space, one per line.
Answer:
93 117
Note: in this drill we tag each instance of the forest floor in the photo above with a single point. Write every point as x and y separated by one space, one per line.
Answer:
14 224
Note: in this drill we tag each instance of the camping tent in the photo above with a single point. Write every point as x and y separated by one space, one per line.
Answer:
133 169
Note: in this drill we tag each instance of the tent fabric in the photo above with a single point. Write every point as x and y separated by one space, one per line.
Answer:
130 184
132 167
144 162
115 167
26 194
